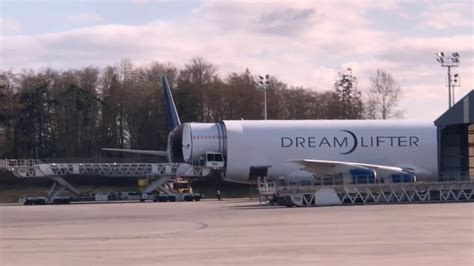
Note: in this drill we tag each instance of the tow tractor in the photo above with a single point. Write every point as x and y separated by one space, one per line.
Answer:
176 189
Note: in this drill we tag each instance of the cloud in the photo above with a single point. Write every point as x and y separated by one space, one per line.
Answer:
448 15
85 18
303 43
9 26
448 20
286 22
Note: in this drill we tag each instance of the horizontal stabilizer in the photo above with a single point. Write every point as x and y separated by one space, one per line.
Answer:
148 152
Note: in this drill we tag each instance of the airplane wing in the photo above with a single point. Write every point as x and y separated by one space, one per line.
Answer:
148 152
336 167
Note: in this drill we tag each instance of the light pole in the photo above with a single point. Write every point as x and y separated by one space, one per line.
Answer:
264 81
449 61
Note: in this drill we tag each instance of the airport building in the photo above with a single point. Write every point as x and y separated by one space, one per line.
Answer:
456 140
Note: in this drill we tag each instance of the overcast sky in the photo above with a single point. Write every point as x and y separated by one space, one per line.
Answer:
302 43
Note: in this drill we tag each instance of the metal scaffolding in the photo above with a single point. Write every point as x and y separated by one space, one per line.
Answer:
160 172
350 194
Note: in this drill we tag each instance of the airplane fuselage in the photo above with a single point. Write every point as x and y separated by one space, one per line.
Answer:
251 147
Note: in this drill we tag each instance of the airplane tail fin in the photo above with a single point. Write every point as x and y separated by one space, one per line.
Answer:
171 112
172 117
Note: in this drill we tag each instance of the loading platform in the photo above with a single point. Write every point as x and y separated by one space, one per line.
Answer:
160 173
36 168
304 195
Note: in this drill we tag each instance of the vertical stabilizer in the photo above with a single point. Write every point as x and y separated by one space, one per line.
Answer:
171 112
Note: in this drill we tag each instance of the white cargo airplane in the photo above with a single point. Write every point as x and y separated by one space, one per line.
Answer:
302 149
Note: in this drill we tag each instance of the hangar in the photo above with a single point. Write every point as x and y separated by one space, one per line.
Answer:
456 140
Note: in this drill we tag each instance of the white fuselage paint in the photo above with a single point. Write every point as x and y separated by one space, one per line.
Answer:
273 143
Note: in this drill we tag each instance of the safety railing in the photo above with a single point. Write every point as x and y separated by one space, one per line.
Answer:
454 176
15 163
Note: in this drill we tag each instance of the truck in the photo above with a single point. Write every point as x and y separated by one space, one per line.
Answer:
176 189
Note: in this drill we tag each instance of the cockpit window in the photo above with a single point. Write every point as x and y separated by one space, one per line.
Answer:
210 157
214 157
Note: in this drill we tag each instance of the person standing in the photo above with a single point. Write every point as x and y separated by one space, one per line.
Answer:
218 194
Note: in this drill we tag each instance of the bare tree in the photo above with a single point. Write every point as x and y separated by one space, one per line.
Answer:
193 85
75 112
383 97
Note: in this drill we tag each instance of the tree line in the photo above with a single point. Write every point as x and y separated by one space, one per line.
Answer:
74 113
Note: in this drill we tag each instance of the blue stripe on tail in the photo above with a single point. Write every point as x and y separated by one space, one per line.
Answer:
171 113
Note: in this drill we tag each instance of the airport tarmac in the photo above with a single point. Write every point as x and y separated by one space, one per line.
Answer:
236 232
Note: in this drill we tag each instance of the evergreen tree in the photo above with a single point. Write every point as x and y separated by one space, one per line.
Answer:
34 131
347 101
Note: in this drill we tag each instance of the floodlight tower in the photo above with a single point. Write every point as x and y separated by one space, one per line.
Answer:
449 61
264 81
